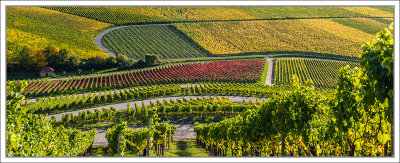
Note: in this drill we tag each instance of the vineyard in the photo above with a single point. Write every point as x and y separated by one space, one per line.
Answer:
63 103
233 70
324 73
232 81
31 26
284 36
137 15
164 40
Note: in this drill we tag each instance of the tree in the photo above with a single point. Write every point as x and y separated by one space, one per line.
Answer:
111 62
40 59
152 60
26 59
124 62
73 62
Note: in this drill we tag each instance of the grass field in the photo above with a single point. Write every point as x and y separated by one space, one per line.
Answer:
322 72
34 26
276 36
163 40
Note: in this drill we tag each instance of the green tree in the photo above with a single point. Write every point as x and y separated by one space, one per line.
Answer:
152 60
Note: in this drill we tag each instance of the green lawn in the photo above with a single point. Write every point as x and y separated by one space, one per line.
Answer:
264 75
179 148
185 148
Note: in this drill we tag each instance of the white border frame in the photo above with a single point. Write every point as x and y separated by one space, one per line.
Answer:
3 157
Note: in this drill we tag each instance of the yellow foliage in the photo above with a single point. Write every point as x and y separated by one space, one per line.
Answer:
370 11
39 27
306 35
25 38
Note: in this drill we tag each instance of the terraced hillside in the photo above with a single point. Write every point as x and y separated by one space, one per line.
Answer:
163 40
322 72
35 26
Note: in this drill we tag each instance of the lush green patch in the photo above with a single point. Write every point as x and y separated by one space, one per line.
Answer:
358 25
382 20
386 8
264 74
185 148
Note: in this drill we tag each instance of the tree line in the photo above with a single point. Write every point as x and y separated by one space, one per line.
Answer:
32 59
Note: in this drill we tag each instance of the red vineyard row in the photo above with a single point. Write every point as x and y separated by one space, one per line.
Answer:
234 70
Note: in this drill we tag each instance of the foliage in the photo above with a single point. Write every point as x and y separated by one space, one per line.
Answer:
297 35
115 138
39 27
377 63
32 135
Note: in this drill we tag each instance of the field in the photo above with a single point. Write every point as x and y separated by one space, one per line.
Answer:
231 81
277 36
163 40
31 26
138 15
324 73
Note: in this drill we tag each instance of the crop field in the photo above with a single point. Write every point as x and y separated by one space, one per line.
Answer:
234 70
276 36
35 26
137 15
324 73
163 40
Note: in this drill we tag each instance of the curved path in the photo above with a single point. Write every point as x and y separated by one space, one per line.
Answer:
124 105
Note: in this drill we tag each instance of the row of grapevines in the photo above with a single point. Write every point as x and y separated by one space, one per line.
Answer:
248 70
73 102
163 40
324 73
88 116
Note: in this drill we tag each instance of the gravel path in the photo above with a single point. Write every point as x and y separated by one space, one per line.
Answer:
184 131
124 105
